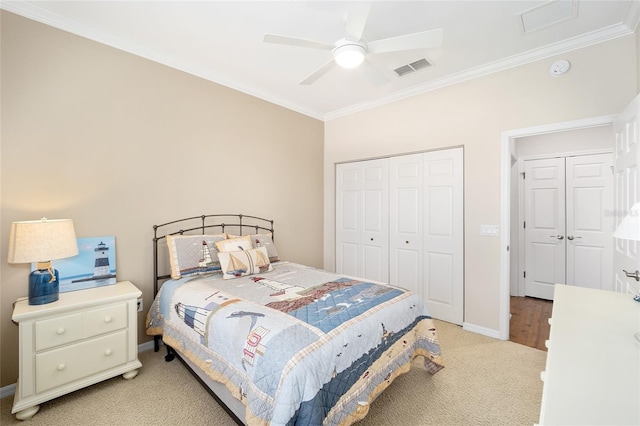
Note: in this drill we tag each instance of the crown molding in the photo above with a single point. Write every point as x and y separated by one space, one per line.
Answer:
36 13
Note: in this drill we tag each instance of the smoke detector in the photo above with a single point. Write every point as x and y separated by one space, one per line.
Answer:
559 67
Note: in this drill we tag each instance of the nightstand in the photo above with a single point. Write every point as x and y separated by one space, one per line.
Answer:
83 338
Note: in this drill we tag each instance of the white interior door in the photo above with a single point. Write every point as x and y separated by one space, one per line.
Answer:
544 226
362 228
626 127
568 203
405 219
589 222
443 234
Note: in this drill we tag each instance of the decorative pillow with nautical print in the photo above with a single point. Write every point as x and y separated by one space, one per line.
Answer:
239 263
235 244
264 240
193 254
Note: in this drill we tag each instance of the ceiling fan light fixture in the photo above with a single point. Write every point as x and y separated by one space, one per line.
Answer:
349 55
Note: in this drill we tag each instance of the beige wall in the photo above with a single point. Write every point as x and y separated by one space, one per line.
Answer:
119 143
602 80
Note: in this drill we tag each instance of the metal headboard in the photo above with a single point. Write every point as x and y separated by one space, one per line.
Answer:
214 223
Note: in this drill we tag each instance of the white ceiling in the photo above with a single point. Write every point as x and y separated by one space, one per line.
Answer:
222 41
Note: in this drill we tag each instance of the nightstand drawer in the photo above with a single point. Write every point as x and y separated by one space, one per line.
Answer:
60 366
105 320
70 328
58 331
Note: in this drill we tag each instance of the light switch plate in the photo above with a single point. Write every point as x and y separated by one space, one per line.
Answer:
489 230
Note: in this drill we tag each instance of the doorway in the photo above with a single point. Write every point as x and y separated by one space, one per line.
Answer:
510 147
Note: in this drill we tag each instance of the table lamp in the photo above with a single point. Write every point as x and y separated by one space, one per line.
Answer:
629 229
42 241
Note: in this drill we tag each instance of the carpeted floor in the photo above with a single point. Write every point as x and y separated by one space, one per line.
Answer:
485 382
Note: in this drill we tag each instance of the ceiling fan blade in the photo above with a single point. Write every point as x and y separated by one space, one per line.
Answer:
318 73
421 40
357 15
375 76
293 41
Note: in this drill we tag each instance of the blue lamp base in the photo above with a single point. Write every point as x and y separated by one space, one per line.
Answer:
41 290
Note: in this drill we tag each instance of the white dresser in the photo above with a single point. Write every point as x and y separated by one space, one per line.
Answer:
83 338
592 375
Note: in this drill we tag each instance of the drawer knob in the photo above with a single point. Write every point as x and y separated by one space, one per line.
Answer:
108 352
61 367
60 331
543 376
547 343
107 319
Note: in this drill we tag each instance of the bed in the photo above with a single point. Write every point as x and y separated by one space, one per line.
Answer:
277 342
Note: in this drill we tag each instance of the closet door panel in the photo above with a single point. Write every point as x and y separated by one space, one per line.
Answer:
375 223
443 239
374 239
405 217
348 184
362 229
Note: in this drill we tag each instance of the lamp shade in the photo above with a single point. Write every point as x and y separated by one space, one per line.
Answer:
629 228
42 240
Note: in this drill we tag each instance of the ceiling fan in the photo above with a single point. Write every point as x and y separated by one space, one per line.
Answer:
352 51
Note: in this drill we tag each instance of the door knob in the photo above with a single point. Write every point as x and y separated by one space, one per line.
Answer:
571 237
560 237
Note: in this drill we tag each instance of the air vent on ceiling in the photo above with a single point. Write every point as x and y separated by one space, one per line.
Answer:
547 14
412 67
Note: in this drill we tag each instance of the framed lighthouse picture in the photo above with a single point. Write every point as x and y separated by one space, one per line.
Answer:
94 266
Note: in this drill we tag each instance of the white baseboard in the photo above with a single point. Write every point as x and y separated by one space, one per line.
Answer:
7 390
481 330
11 389
146 346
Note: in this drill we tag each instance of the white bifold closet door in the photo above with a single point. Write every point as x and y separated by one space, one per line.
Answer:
423 219
362 227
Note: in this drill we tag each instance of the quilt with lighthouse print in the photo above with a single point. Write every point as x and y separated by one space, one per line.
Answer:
297 345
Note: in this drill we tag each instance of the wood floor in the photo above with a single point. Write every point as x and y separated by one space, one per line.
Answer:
529 321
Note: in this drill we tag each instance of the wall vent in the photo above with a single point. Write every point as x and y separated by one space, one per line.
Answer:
547 14
412 67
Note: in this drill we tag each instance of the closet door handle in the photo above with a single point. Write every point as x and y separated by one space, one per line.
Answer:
560 237
571 237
